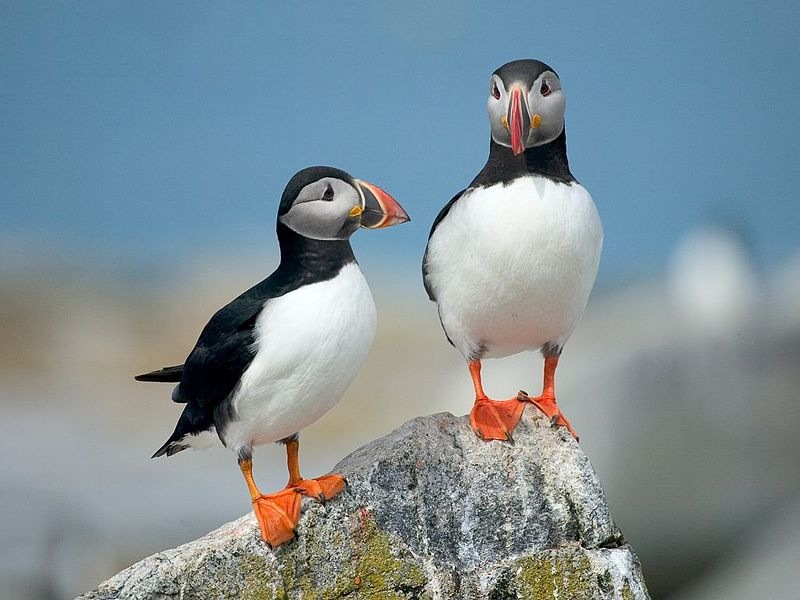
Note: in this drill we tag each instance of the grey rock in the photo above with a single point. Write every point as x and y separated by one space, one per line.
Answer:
430 512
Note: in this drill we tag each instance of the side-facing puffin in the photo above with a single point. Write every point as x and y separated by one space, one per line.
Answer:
511 259
279 356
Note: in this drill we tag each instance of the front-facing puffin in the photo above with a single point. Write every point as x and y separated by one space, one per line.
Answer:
279 356
512 259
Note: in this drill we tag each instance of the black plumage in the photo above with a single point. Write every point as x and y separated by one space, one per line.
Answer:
548 160
525 70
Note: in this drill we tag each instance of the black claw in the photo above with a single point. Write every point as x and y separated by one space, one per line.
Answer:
522 393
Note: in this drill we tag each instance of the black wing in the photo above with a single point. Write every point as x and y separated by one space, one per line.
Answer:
214 367
220 356
439 218
224 350
222 353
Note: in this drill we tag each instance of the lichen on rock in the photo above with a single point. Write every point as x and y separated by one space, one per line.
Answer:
430 512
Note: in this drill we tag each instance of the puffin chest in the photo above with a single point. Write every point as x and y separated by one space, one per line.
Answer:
316 326
531 233
512 265
309 345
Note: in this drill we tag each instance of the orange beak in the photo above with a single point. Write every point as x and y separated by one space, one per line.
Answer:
517 122
380 209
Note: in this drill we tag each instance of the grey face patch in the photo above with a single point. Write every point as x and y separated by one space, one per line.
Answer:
321 210
549 107
498 110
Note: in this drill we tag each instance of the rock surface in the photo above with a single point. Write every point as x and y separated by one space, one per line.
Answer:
430 512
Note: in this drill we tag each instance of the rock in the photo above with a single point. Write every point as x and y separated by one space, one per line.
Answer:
430 512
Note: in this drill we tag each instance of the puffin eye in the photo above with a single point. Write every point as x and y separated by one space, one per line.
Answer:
495 91
545 89
328 193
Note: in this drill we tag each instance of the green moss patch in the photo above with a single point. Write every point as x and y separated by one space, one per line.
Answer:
371 566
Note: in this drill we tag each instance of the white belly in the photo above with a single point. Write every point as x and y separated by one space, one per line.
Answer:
310 345
512 266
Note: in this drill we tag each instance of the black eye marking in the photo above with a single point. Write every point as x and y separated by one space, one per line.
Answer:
495 91
328 193
545 89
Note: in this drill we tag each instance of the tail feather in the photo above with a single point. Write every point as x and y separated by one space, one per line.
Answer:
175 442
169 448
165 375
192 422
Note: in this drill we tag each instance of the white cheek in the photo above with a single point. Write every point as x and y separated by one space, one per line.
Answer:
494 107
318 220
497 110
551 111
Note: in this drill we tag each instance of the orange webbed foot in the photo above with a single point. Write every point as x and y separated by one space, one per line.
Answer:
278 515
322 488
495 419
548 406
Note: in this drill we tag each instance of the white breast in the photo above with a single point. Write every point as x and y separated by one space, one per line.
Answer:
512 266
310 344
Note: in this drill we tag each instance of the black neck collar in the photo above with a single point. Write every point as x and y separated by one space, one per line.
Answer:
320 259
548 160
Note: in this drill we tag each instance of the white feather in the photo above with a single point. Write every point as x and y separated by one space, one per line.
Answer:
512 265
310 344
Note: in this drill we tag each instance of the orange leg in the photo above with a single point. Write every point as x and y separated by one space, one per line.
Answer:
492 419
322 488
277 514
546 402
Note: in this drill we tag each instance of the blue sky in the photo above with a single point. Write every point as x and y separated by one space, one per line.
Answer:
137 134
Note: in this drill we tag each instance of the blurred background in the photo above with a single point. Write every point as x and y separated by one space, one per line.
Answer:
144 148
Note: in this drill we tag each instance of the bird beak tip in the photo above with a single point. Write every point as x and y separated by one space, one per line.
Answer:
380 209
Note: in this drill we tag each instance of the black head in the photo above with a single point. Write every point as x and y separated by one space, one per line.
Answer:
526 71
526 105
325 203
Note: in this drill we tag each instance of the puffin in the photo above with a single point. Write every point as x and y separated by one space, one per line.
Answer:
279 356
511 259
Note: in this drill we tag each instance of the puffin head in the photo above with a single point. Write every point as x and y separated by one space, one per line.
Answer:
526 105
325 203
